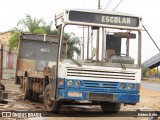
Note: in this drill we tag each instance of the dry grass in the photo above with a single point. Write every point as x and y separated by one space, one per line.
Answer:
151 80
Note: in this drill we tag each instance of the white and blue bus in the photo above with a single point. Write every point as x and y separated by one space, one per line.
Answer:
112 73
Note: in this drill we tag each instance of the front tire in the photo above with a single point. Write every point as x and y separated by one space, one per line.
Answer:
109 107
51 105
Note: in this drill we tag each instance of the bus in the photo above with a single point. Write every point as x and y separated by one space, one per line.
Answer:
111 75
108 74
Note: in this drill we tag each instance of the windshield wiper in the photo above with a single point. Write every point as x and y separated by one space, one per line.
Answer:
121 62
119 58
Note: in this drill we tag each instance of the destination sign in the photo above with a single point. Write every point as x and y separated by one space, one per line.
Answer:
107 19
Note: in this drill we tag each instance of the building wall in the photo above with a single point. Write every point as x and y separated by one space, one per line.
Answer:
9 63
8 67
4 37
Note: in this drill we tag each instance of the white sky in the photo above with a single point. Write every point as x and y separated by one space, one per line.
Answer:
11 11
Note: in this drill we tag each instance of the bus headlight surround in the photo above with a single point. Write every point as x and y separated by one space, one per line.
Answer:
130 86
123 85
70 83
78 83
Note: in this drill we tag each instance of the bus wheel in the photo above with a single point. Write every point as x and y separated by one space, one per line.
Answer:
35 97
51 105
109 107
27 90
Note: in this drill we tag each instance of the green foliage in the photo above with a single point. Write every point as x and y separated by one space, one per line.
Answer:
73 43
144 70
14 40
31 24
38 26
55 32
39 31
48 29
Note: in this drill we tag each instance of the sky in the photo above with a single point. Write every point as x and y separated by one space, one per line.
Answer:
11 11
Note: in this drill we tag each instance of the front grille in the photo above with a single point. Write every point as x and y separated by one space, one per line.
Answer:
101 85
104 74
96 96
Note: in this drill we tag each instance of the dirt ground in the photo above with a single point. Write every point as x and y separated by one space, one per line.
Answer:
150 101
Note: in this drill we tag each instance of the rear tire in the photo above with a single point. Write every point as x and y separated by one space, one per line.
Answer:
27 90
35 97
109 107
51 105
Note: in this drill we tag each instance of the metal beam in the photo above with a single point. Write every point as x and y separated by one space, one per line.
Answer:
151 38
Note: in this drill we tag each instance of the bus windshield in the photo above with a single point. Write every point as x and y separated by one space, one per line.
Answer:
100 38
92 45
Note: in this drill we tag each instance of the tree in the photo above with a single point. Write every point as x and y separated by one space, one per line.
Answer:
48 29
31 24
144 70
154 71
28 24
14 40
39 31
34 25
73 43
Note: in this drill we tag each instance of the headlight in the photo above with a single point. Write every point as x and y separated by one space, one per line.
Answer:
123 85
70 83
130 86
78 83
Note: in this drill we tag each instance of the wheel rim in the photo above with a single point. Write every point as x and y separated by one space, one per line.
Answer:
50 104
48 101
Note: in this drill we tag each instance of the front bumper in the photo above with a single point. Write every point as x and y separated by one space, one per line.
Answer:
128 98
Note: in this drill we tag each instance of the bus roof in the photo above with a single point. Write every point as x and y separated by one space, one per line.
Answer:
99 18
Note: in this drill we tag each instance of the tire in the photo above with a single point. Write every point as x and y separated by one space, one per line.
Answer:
1 94
35 97
27 90
109 107
2 87
51 105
